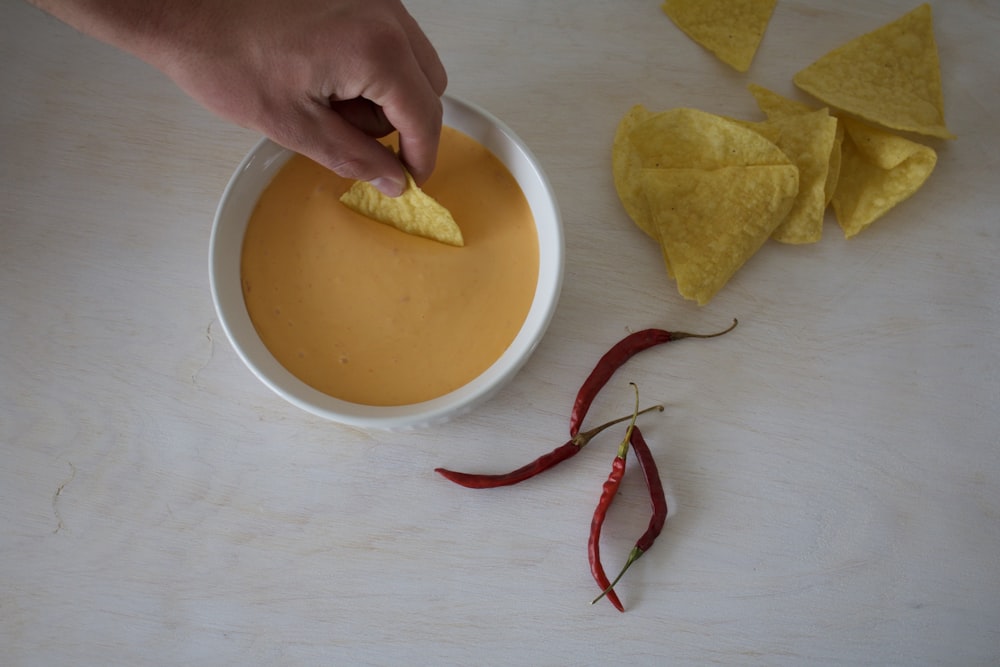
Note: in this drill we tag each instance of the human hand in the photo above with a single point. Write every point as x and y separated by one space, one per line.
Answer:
324 78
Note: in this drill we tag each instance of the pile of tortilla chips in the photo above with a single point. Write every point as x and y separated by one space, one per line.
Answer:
413 212
712 190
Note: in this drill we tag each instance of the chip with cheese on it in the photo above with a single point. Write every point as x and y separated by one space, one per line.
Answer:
413 212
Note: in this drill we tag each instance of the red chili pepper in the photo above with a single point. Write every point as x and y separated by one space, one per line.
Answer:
539 465
615 358
608 493
657 498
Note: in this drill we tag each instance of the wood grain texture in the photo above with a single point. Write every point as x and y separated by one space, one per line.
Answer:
831 465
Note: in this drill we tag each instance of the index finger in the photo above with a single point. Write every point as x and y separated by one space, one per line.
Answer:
413 106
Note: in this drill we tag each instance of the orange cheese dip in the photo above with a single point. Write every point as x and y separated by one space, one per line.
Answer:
371 315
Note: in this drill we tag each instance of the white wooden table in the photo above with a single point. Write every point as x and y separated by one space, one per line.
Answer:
832 465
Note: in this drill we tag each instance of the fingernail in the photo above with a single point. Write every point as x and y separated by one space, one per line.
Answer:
389 187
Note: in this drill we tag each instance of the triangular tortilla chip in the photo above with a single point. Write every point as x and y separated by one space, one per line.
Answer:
777 106
880 170
731 29
626 161
413 212
683 138
710 222
807 139
774 105
891 76
700 140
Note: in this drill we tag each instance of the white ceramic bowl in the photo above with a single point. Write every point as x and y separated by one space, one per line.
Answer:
237 204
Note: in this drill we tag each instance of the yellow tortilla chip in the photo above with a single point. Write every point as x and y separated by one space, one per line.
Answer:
774 105
413 212
731 29
890 77
777 106
679 138
880 170
626 161
807 139
710 222
700 140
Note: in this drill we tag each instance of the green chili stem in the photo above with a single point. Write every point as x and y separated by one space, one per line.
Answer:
623 447
583 438
633 556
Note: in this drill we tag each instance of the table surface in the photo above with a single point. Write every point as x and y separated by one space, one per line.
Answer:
831 466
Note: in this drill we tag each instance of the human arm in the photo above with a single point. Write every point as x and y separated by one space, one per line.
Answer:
322 77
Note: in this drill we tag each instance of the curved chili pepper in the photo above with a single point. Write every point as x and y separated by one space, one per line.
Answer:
539 465
608 492
615 358
657 498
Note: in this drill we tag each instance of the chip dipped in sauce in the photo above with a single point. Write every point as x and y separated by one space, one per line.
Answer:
369 314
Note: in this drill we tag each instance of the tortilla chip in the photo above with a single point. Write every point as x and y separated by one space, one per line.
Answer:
774 105
881 169
807 139
731 29
700 140
626 161
710 222
890 77
777 106
413 212
679 138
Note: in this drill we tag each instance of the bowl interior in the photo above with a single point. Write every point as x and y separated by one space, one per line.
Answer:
237 204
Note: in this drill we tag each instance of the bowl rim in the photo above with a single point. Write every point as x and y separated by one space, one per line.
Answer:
228 228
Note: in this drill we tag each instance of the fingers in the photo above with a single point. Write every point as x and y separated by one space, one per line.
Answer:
425 54
420 129
413 106
330 139
385 75
419 125
364 115
354 154
405 78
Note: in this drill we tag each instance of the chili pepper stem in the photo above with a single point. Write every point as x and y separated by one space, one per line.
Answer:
633 556
623 448
581 439
677 335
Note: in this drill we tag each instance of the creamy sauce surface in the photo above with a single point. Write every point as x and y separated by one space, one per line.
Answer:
369 314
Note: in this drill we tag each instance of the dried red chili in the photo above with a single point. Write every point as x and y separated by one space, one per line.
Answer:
608 492
658 500
615 358
539 465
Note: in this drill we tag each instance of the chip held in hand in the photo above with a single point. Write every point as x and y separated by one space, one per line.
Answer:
413 212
